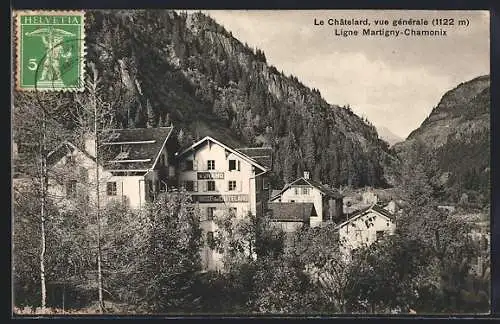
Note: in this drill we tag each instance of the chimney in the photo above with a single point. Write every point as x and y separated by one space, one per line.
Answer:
89 142
306 175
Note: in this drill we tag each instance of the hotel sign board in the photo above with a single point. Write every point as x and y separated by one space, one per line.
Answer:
210 175
220 198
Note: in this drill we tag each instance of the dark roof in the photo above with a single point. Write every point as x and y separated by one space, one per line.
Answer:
373 207
263 155
331 192
291 212
383 211
133 144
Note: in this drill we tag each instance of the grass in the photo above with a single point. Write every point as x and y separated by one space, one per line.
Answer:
93 309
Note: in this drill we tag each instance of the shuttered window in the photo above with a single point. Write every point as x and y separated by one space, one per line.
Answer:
210 213
111 189
71 189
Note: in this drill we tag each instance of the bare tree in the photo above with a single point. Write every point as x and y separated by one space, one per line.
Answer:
37 131
94 115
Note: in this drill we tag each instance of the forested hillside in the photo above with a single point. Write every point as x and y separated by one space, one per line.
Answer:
456 139
189 70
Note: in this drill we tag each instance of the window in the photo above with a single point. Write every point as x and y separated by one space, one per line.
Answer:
232 185
234 165
69 159
210 213
210 240
71 189
211 185
265 184
380 234
188 165
189 185
296 191
210 165
162 160
111 188
305 191
124 148
84 175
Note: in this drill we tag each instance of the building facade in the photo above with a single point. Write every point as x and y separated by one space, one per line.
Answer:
364 228
327 201
220 180
134 166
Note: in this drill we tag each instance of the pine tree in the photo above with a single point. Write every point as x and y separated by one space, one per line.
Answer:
309 147
151 117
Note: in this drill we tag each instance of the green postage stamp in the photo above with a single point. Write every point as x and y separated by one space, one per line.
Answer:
50 48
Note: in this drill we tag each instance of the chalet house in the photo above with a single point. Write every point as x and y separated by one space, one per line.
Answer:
223 179
327 201
291 216
134 165
365 227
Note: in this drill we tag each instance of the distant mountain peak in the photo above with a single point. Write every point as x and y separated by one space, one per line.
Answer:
387 135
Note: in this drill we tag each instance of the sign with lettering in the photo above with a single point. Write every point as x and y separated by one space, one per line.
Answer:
219 198
210 175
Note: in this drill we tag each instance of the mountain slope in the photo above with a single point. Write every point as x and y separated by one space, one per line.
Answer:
159 67
457 135
195 73
465 107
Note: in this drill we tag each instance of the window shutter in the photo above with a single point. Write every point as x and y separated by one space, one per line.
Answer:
195 165
240 187
195 185
205 185
227 185
239 165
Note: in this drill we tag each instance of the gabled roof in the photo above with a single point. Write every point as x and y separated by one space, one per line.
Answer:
291 212
134 148
62 150
365 211
308 182
262 155
236 152
275 193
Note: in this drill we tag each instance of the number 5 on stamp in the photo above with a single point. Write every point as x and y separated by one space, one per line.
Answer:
50 50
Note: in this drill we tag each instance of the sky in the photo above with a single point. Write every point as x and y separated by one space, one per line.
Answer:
395 82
